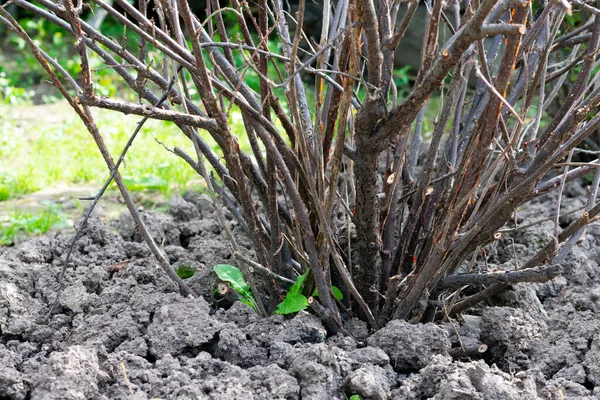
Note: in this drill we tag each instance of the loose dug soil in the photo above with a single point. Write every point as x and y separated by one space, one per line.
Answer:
122 331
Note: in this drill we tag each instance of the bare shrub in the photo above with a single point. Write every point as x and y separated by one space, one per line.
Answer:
312 194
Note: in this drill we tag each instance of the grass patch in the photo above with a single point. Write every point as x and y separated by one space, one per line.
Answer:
57 149
19 225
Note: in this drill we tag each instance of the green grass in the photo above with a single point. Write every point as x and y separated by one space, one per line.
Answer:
18 225
37 154
48 147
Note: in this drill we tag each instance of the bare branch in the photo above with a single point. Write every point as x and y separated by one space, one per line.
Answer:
542 273
150 111
374 55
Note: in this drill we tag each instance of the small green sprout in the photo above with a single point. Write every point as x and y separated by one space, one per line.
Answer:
185 271
233 276
294 300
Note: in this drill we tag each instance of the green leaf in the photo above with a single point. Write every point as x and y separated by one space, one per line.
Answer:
355 397
233 276
297 286
337 293
185 271
293 302
248 303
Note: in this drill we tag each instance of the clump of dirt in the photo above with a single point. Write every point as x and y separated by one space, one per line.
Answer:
121 330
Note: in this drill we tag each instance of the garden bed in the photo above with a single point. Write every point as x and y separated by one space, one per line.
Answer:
121 330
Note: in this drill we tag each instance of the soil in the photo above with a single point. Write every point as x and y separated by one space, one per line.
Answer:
121 330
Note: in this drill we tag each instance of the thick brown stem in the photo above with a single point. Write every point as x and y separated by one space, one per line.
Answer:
366 275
